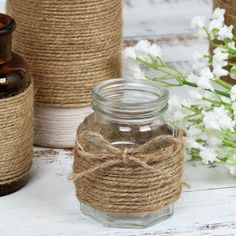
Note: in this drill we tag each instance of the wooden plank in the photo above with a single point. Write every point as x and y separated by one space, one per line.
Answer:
158 17
48 206
162 17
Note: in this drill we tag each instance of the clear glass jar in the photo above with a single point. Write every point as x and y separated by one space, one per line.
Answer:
134 111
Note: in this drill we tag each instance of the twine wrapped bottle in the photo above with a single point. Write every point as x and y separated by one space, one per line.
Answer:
128 162
230 19
70 46
16 113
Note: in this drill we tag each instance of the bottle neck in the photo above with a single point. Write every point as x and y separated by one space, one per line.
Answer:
124 101
5 48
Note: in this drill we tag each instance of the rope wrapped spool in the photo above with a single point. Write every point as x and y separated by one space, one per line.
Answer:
16 137
230 19
70 46
127 181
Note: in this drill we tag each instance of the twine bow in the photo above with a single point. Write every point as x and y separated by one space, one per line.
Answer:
102 154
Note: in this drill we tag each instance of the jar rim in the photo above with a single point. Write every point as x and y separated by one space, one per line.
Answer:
8 24
161 96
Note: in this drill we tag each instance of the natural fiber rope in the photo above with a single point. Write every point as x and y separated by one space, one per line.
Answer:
16 136
127 181
230 7
70 46
230 19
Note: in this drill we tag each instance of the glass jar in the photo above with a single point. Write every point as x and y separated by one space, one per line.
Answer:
129 113
14 79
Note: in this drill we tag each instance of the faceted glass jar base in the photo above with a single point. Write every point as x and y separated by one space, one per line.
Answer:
126 221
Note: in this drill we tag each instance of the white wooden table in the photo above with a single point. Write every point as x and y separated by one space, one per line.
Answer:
47 206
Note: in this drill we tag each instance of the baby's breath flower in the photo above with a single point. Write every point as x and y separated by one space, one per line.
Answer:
218 119
218 13
208 155
198 22
225 32
233 93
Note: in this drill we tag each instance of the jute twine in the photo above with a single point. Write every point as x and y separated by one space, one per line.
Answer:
16 136
69 45
230 7
230 19
127 181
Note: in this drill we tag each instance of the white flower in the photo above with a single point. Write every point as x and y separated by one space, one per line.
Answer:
207 74
233 93
155 50
231 45
129 52
220 56
193 131
204 83
215 24
217 20
200 60
198 22
225 32
195 94
219 61
219 71
192 78
218 14
144 47
133 71
208 155
218 119
234 109
210 139
176 113
191 143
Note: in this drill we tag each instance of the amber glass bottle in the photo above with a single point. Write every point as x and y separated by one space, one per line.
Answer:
14 79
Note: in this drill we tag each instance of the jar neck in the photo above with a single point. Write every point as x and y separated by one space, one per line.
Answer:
7 26
5 48
124 101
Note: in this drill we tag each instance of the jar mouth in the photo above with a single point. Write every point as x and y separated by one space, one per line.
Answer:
130 98
159 92
7 24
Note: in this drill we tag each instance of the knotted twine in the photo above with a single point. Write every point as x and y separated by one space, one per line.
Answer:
16 136
127 181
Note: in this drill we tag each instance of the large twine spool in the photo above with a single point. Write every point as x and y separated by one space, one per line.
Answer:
16 136
127 181
70 46
230 19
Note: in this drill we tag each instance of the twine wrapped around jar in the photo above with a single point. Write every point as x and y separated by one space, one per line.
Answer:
127 181
230 14
70 46
230 19
16 136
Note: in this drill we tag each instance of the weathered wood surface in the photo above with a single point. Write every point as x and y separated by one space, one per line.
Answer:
47 206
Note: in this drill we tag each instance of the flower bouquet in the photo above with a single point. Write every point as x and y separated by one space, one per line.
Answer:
208 113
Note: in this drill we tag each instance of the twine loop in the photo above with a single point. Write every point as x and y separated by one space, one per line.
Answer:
135 181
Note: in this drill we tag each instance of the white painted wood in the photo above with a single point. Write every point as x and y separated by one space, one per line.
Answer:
48 206
162 17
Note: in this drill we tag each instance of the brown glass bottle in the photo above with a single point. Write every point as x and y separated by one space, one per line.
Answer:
14 79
